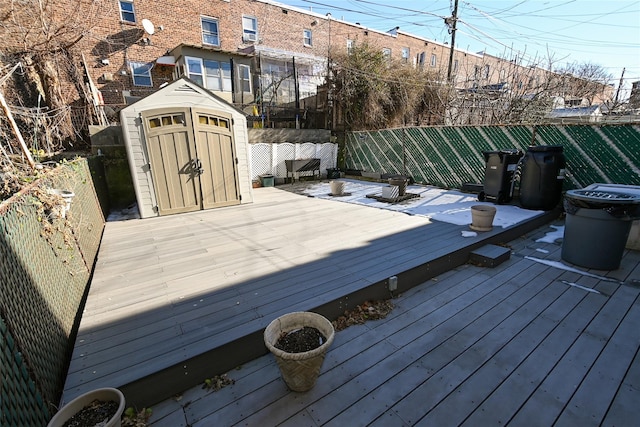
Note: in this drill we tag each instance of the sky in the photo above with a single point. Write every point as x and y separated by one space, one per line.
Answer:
563 32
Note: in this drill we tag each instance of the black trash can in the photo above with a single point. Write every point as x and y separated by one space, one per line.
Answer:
498 175
597 227
541 178
333 173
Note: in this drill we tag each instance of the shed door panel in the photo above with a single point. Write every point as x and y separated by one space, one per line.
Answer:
171 154
217 154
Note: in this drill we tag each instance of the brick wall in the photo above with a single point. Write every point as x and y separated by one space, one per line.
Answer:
177 22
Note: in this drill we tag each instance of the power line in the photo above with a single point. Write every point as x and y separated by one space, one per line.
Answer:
504 28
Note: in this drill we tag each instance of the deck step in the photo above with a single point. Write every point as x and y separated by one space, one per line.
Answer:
489 256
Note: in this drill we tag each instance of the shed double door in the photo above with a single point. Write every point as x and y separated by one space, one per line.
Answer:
192 159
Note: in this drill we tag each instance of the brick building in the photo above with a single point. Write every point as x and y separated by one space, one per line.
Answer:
267 58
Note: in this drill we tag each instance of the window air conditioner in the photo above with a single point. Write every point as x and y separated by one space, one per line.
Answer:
250 37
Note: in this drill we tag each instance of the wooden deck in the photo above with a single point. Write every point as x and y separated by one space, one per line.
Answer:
180 298
511 345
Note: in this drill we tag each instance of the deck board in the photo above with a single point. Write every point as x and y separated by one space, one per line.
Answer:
488 345
164 288
473 346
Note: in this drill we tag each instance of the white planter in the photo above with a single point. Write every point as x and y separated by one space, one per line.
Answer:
67 196
337 188
77 404
390 192
299 370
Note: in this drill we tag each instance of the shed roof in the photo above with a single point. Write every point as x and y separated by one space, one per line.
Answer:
182 85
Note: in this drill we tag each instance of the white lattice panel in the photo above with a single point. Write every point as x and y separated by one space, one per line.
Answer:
306 150
328 154
284 151
260 159
269 158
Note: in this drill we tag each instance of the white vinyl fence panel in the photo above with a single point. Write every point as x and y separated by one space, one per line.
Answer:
270 158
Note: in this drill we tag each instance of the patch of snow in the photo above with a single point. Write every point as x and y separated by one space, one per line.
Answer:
562 266
130 212
453 207
552 236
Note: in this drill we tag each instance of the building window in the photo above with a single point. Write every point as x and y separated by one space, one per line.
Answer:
244 78
307 37
210 31
386 53
405 54
485 73
127 13
249 29
476 72
351 44
214 75
141 73
503 74
434 60
455 66
421 57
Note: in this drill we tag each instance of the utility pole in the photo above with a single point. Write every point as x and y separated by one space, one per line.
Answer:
451 22
615 102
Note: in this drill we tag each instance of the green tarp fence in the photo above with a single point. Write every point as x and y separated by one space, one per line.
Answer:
449 157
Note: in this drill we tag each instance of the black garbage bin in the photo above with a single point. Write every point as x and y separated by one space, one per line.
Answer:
597 227
333 173
498 175
541 178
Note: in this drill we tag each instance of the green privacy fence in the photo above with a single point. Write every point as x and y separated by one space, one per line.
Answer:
451 156
45 264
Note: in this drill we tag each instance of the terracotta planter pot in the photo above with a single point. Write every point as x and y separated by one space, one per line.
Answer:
482 217
299 370
77 404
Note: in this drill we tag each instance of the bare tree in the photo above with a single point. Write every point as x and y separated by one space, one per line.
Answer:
42 35
525 94
588 81
373 92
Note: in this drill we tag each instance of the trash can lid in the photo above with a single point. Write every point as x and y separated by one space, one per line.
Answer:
599 196
504 150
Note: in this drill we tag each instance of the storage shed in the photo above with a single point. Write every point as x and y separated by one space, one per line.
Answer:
188 150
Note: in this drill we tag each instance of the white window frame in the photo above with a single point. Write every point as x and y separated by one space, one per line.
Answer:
434 60
406 53
485 71
307 37
123 12
350 45
138 71
249 32
242 71
455 65
386 53
219 81
205 33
